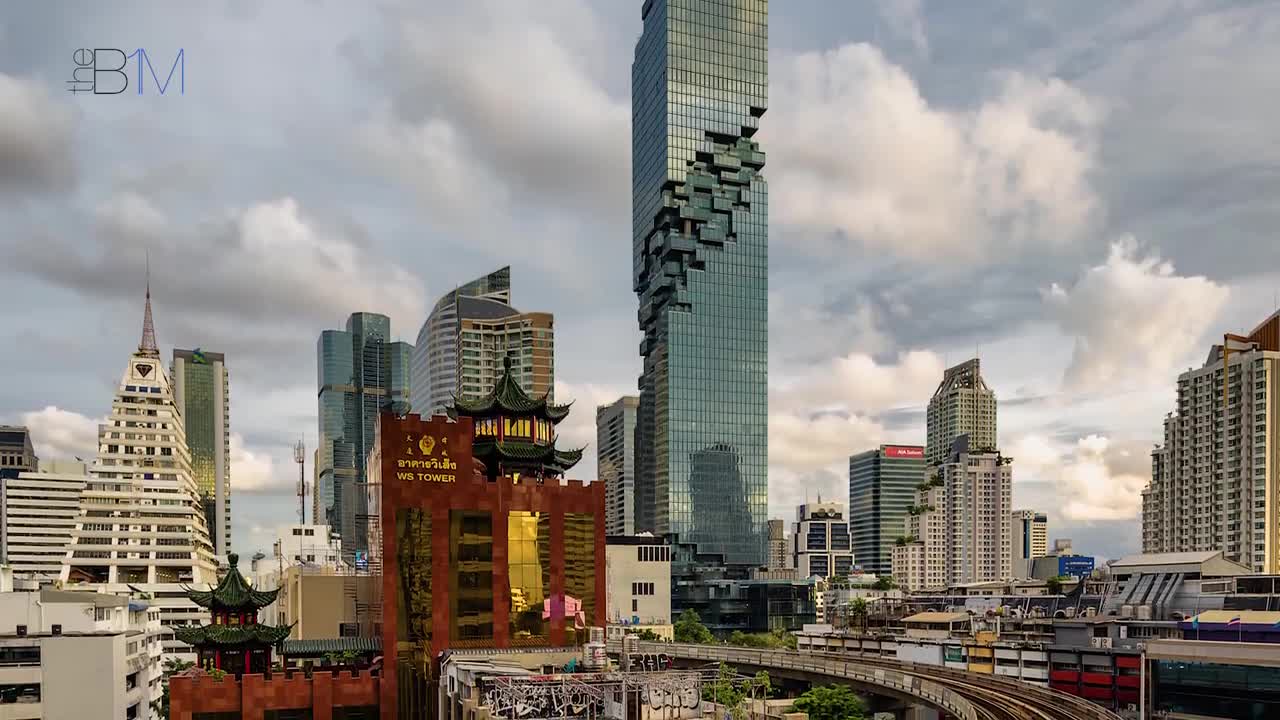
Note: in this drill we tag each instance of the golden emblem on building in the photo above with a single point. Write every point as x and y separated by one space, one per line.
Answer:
427 444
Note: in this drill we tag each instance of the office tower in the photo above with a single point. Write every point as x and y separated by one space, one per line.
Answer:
1215 480
203 395
962 405
616 463
700 272
882 488
16 453
140 522
978 534
464 340
37 513
779 553
1030 540
361 372
820 541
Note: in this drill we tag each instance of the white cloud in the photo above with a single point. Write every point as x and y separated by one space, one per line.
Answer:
37 137
799 443
1133 318
579 429
258 472
906 17
857 383
1094 479
856 149
62 434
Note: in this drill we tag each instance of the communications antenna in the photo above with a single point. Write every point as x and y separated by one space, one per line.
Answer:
300 457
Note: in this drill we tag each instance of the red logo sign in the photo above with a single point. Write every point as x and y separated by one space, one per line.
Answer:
903 451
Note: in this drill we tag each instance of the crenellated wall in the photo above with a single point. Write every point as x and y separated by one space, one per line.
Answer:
253 695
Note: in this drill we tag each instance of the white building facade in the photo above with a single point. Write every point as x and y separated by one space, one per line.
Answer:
1030 540
616 463
39 511
919 558
90 656
1215 482
820 541
140 524
638 585
979 536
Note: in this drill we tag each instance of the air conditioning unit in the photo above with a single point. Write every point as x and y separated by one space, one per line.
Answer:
1101 642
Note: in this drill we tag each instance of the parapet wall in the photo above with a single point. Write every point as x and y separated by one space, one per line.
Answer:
253 695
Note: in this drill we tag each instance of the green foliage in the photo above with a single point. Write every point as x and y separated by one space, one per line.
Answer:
1055 584
776 640
647 635
832 702
885 583
171 666
906 540
689 629
733 692
346 657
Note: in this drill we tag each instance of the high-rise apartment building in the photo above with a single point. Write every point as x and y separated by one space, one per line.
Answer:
140 522
882 489
779 552
38 511
16 453
820 541
462 345
918 559
202 392
978 535
616 463
700 271
1215 482
962 405
361 372
1030 540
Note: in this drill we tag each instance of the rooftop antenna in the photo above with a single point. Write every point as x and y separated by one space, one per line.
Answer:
300 457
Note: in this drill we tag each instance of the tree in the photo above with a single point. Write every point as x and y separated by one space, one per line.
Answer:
732 692
832 702
648 635
858 612
1055 584
885 582
689 629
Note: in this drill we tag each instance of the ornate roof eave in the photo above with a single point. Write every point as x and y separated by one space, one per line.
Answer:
233 592
231 635
507 396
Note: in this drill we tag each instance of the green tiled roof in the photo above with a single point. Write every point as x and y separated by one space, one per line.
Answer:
560 460
507 396
317 648
197 635
233 592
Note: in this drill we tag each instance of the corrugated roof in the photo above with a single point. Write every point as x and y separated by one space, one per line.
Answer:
331 645
103 600
937 617
1178 558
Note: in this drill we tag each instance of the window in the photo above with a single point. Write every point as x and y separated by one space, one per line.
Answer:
297 531
309 532
635 605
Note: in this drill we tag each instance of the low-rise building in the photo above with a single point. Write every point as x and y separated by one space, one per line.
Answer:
77 655
638 585
820 540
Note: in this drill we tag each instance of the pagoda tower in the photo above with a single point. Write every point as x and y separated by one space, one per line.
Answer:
514 433
235 642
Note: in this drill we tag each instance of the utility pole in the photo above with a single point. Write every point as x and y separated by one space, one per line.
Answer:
300 457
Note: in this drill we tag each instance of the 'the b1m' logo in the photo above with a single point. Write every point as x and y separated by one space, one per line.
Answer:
105 71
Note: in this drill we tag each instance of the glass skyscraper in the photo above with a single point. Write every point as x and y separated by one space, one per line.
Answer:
203 395
700 252
361 372
882 489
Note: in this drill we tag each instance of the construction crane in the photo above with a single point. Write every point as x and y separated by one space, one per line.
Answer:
300 457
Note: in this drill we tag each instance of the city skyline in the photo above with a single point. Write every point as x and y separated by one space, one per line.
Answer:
866 309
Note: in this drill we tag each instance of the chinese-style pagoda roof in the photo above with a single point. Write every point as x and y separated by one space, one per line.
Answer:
233 592
527 452
508 397
197 635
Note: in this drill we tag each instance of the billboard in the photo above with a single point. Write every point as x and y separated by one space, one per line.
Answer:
904 451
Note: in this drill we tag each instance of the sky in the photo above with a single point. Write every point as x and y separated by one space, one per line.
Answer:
1084 194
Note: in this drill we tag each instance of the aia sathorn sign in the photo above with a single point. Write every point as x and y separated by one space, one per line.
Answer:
903 451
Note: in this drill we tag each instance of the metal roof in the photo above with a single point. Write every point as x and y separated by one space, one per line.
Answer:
1176 558
331 645
936 617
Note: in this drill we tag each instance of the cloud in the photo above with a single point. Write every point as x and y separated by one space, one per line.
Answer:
523 116
1094 479
37 138
256 472
1133 318
271 273
579 429
800 443
61 434
856 382
906 17
861 153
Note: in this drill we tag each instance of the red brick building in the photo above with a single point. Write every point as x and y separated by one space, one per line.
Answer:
251 696
470 562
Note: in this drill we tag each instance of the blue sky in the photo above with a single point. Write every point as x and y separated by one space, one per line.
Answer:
1084 193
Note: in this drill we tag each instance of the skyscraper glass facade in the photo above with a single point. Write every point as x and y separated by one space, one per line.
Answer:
360 374
882 488
700 261
202 394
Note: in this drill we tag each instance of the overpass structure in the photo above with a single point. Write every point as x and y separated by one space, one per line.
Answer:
957 693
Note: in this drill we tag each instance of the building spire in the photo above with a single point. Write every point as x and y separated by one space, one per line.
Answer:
148 344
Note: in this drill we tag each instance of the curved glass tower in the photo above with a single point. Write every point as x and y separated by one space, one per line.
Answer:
700 261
